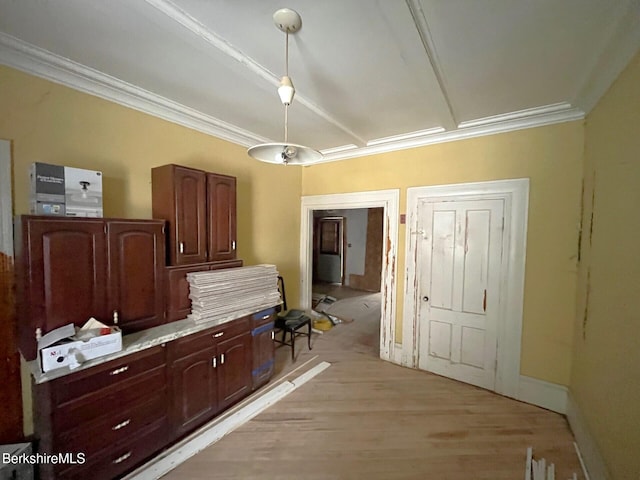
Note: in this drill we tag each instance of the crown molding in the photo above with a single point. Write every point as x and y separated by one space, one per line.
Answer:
28 58
23 56
523 119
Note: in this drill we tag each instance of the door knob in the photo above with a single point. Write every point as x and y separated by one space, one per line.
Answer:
425 298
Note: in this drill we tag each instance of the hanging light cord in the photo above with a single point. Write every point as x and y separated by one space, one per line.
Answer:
286 72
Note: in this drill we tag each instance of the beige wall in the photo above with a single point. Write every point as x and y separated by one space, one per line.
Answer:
552 158
605 381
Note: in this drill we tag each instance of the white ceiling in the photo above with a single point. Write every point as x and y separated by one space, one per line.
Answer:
371 76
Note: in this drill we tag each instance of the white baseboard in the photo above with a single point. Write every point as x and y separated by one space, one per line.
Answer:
543 394
589 452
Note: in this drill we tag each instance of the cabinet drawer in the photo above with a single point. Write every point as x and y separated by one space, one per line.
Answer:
115 428
106 402
207 338
114 461
265 316
74 387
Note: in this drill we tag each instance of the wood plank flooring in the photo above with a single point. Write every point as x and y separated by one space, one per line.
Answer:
364 418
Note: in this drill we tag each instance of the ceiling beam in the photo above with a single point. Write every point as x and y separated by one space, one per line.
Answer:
422 26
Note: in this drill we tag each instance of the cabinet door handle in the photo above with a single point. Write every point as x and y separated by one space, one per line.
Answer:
273 335
233 245
122 458
181 247
222 359
120 370
214 362
121 425
218 335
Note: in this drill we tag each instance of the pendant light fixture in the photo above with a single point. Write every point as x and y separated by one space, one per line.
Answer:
285 153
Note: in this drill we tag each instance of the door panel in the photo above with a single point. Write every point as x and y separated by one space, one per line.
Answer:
460 269
190 216
221 205
442 265
136 258
64 263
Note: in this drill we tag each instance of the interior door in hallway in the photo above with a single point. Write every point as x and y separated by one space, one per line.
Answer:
459 284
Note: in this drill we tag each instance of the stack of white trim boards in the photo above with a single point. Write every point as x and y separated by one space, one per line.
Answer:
217 294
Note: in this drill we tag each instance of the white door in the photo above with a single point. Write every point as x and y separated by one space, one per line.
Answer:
459 264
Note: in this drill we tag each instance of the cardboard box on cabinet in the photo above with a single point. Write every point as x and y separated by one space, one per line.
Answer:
65 191
60 348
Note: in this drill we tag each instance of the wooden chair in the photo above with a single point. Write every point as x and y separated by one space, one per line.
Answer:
293 322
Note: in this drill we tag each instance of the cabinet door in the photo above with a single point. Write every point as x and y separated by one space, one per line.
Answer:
234 372
194 390
136 252
179 197
62 277
221 208
263 347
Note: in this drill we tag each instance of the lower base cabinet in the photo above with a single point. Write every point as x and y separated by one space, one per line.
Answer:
209 372
119 414
263 347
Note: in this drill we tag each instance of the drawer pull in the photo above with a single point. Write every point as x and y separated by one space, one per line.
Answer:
218 335
120 370
121 425
122 458
266 316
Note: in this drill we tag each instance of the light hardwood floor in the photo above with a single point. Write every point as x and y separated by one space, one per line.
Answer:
364 418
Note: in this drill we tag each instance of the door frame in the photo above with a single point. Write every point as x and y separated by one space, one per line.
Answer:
389 200
6 208
515 194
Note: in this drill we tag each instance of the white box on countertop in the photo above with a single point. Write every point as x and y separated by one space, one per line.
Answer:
71 353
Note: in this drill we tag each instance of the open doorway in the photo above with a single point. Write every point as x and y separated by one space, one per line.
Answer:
347 269
384 202
347 248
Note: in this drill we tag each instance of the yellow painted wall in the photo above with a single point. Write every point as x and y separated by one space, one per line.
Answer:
605 381
50 123
552 158
53 124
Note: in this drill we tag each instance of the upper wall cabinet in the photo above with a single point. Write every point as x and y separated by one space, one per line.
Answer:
200 209
72 269
179 197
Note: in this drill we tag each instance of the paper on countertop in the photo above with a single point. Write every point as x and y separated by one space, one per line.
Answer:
92 328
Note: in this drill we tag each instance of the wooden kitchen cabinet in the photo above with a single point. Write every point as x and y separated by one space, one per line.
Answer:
61 270
263 347
177 302
200 209
115 414
210 371
179 197
71 269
